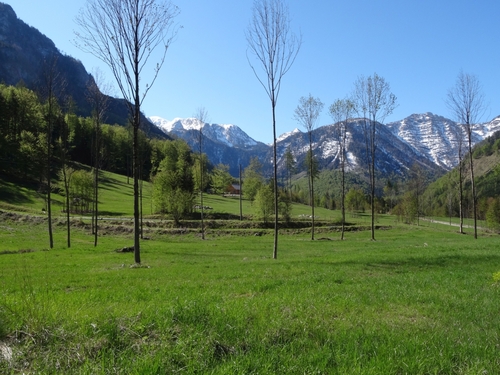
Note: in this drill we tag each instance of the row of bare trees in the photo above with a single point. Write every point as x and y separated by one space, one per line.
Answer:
51 89
275 48
124 34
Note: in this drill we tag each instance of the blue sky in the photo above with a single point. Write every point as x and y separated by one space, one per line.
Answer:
419 47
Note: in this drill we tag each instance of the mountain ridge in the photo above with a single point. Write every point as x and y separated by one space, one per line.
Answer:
426 138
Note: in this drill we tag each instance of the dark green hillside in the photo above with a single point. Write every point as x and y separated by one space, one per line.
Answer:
25 54
442 194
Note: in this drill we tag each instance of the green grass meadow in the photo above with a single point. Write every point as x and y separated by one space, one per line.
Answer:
418 300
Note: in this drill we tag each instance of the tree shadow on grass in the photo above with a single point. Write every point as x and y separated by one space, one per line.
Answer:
13 193
417 263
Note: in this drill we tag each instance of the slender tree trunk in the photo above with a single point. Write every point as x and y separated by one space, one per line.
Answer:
135 144
372 178
343 184
275 166
49 186
311 191
473 187
137 251
68 222
241 189
97 152
201 194
141 182
96 202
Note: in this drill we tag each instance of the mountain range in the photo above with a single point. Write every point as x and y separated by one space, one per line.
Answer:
426 139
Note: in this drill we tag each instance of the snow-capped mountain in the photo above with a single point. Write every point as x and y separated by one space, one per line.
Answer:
284 136
394 155
227 134
426 139
435 137
223 144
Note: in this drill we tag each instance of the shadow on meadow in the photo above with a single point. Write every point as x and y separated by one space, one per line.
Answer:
10 192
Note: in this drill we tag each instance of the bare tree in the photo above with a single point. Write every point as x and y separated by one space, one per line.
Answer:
99 103
341 112
51 87
459 139
275 49
374 101
202 116
466 101
124 34
306 114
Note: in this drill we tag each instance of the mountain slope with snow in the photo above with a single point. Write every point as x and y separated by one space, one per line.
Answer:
426 139
227 134
436 137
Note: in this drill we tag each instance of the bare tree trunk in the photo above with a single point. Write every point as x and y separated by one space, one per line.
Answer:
343 184
275 174
473 187
241 189
137 249
311 176
96 205
372 177
66 190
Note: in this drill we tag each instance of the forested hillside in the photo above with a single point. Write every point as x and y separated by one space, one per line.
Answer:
24 122
28 58
441 197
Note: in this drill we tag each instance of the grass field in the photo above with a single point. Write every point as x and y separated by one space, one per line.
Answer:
419 300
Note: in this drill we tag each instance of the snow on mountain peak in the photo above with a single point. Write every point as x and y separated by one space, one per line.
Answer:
228 134
284 136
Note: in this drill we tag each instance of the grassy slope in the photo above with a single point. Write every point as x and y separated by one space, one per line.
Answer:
116 199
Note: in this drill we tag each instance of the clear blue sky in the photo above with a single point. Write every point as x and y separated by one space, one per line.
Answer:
419 47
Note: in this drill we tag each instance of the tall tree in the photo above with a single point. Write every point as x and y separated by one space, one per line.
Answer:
341 112
99 103
374 102
466 101
275 49
124 34
306 114
202 116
